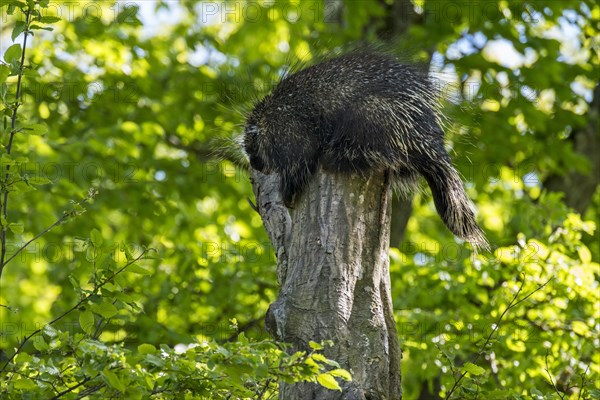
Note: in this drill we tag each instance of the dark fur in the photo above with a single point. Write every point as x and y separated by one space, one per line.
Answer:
357 113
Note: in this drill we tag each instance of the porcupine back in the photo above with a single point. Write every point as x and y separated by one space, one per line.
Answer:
358 113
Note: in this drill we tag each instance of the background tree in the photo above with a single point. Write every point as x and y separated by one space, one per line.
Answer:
141 100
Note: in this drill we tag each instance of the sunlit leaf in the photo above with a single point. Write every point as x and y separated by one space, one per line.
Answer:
473 369
86 321
328 381
105 309
13 53
18 29
113 380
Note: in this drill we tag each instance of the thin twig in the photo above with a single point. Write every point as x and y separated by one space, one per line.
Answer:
264 390
583 381
13 126
450 362
75 307
69 390
547 369
65 216
90 390
513 303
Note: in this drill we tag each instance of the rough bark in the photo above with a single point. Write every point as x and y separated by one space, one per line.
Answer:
333 270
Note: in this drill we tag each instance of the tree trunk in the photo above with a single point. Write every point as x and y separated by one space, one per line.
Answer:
333 270
579 188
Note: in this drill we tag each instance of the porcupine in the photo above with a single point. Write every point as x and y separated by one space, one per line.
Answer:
360 112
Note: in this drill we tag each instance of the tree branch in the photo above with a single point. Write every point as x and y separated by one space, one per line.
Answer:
547 369
65 216
13 131
76 306
513 303
69 390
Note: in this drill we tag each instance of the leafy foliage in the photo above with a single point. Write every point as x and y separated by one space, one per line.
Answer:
134 267
87 350
79 365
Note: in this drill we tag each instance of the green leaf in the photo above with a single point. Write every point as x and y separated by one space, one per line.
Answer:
312 364
125 298
136 269
23 357
25 384
584 254
35 129
15 3
113 380
86 321
50 331
537 393
74 282
580 328
149 382
5 160
342 373
38 180
13 53
155 360
473 369
106 310
146 348
4 73
39 343
315 345
15 227
125 249
319 357
49 19
328 381
3 92
34 27
78 208
18 29
96 237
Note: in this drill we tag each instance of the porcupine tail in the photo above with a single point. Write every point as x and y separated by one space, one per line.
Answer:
452 203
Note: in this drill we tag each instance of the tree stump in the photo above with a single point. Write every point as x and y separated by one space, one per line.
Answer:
333 271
